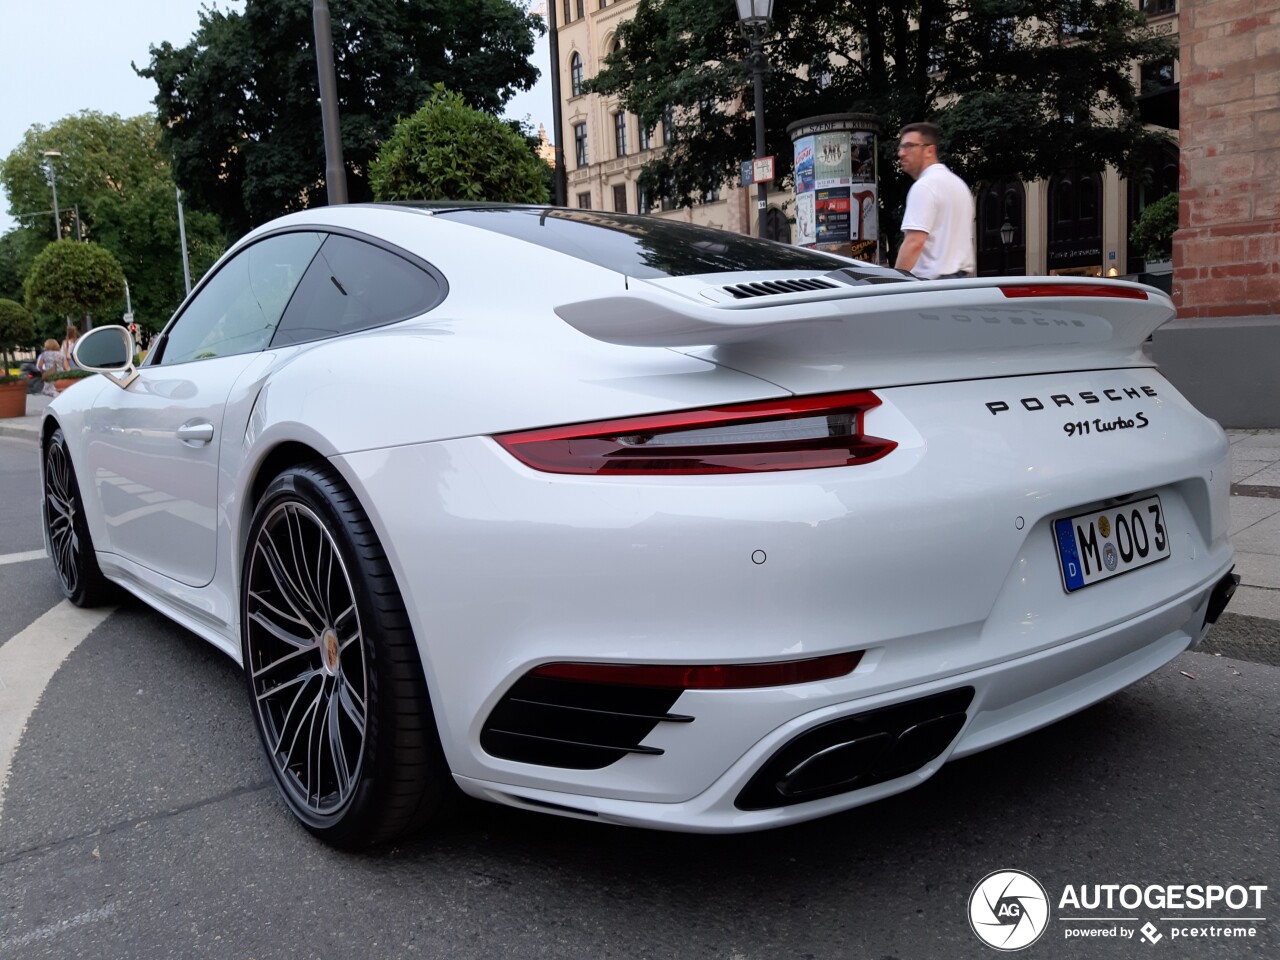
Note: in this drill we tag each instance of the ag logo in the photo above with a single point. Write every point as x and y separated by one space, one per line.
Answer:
1008 910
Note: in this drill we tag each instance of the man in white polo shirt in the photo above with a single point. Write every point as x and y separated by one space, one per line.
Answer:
938 222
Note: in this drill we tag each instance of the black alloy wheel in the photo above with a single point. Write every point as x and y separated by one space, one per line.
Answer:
334 674
70 546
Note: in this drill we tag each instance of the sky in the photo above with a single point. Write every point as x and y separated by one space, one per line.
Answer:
64 56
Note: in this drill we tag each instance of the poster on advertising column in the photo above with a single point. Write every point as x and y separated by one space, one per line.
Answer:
804 166
864 223
805 225
831 160
831 214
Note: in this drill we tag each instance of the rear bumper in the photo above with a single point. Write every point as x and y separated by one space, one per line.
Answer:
1010 699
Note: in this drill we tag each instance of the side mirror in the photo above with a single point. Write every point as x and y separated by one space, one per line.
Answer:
108 351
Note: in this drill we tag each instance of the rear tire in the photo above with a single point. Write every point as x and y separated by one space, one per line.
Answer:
70 545
334 675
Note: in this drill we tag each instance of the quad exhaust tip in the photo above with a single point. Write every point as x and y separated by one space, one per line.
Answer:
1221 596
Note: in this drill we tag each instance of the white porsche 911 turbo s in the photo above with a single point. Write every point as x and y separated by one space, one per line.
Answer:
623 519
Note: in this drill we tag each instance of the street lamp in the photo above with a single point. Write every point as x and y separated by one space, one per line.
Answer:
1006 238
754 17
53 182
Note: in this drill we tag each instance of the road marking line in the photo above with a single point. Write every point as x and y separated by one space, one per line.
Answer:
23 557
28 662
51 930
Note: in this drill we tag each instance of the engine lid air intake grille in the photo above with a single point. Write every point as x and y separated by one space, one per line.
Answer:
769 288
575 725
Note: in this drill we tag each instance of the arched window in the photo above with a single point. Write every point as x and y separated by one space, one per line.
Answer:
1075 222
575 74
1000 203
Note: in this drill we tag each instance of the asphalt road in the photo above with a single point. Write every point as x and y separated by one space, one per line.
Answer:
139 821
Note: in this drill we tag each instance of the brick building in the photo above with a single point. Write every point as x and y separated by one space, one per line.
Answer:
1223 349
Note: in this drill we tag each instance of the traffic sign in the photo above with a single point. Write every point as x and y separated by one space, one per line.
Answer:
762 169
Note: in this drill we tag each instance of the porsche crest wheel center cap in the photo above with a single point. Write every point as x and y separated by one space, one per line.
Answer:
329 650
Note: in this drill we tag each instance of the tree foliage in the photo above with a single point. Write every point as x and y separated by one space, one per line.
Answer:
143 234
16 330
1153 231
450 151
240 102
1020 88
115 173
70 279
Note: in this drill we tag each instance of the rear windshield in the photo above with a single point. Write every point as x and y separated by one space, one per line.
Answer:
643 247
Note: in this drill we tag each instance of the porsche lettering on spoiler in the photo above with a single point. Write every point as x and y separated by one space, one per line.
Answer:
1081 398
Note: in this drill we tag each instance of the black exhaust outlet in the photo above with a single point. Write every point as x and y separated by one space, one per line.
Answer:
1221 596
855 752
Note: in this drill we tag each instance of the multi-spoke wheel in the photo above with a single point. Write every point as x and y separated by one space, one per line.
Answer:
69 544
332 667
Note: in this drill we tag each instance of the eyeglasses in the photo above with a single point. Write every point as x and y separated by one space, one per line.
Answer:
910 146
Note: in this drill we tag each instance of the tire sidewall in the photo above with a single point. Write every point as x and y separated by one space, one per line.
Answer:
301 485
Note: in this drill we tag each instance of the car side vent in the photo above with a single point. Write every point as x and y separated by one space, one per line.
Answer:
574 724
769 288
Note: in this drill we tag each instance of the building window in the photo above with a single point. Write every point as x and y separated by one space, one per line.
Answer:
575 74
568 11
642 200
1155 76
620 133
620 198
584 201
711 196
1156 8
580 143
669 126
1075 19
582 8
646 139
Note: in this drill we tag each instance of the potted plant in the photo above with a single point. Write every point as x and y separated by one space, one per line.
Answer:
61 379
1152 233
16 329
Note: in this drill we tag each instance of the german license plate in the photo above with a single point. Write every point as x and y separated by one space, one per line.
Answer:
1106 543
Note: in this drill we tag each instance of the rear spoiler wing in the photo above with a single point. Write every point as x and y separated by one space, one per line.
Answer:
1113 316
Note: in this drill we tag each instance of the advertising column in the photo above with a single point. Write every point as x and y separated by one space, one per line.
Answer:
835 184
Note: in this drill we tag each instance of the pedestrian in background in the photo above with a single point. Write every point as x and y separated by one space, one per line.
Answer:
938 222
69 344
50 359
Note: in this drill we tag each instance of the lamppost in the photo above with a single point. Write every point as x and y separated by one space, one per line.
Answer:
53 182
754 16
1006 238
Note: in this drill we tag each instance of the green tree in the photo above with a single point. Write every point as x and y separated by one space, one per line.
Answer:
16 331
70 279
18 248
143 234
1017 86
1153 232
449 151
99 154
240 102
114 172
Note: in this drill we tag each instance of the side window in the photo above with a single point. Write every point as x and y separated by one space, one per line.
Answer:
239 308
352 286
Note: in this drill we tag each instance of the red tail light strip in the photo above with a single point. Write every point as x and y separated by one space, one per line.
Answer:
1073 290
728 676
626 447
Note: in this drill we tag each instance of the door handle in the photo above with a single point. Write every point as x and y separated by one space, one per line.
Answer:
196 432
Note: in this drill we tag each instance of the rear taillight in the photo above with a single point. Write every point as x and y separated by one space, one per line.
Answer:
1072 290
722 676
797 433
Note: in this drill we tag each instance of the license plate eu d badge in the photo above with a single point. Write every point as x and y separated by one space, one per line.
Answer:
1106 543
